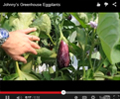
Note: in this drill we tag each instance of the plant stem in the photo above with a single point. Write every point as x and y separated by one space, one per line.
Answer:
61 35
92 48
95 59
90 56
51 39
100 65
83 61
84 49
18 69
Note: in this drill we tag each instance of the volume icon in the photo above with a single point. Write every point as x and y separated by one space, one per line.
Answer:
19 97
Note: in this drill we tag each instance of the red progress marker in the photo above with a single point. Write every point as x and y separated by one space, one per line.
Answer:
30 92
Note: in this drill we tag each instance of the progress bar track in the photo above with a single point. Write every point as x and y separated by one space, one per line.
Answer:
92 92
63 92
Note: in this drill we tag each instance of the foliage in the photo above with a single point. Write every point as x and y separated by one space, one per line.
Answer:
95 45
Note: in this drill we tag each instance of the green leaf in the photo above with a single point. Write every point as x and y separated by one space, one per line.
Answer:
99 76
6 25
72 37
96 55
23 21
38 75
113 69
10 77
26 76
79 20
38 60
109 33
46 75
75 50
28 66
81 37
44 23
47 56
85 17
51 70
71 68
89 74
67 77
116 77
48 60
44 52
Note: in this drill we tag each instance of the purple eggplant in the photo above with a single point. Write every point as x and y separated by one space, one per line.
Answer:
63 57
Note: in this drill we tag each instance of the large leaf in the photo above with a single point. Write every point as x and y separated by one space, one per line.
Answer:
6 25
10 77
44 23
26 76
109 33
28 66
22 22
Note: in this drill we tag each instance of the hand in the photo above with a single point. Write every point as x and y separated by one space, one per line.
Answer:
19 43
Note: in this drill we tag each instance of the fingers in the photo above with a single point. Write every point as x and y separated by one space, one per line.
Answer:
26 31
31 50
20 58
34 45
33 38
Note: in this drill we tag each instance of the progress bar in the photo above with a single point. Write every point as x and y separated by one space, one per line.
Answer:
30 92
63 92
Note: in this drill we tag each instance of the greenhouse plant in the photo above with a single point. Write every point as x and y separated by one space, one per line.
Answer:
74 46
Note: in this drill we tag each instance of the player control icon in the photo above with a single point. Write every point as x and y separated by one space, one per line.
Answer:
106 4
63 92
98 4
115 4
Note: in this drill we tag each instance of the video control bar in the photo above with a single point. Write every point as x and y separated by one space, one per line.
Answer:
60 94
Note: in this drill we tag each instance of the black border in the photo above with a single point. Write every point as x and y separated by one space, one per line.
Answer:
66 6
60 85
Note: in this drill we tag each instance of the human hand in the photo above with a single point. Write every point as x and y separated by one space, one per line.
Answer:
19 43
